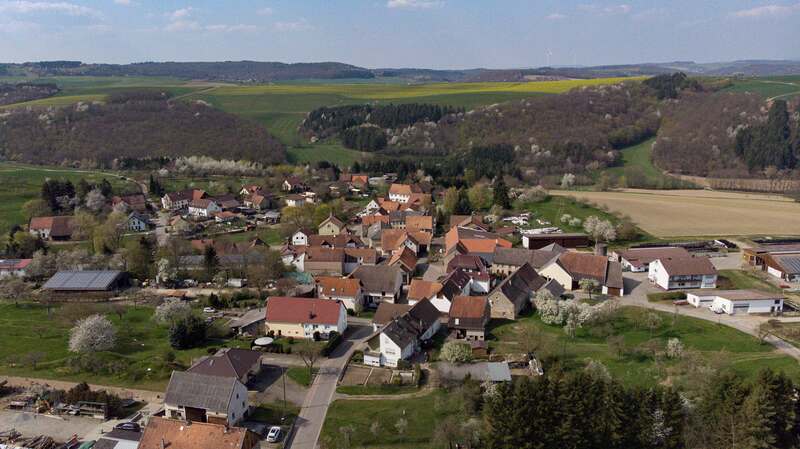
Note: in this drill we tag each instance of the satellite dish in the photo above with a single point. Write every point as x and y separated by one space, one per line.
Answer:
263 341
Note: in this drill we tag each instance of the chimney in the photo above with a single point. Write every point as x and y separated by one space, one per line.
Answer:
601 249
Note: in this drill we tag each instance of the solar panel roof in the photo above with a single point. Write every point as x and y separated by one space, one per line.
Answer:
82 280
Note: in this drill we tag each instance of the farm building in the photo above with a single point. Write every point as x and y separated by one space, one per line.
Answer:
571 267
737 301
638 259
684 272
90 284
13 267
779 260
566 240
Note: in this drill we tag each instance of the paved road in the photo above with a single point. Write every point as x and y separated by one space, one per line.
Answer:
321 393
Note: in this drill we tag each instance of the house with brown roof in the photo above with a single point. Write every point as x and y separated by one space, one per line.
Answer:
387 312
474 222
476 268
52 228
317 260
250 189
419 223
403 193
569 268
204 208
241 364
512 296
403 336
508 260
683 273
305 317
346 290
163 433
134 202
407 261
563 239
456 283
257 201
420 290
469 316
638 260
460 240
181 199
294 184
331 226
381 283
781 260
202 398
393 240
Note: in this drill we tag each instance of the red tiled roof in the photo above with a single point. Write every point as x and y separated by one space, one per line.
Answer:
468 307
334 286
420 289
406 258
284 309
59 226
685 266
174 434
14 264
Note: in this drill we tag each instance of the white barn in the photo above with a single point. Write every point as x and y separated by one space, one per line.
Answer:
737 301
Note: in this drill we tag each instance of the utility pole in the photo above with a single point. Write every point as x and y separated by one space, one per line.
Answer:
283 412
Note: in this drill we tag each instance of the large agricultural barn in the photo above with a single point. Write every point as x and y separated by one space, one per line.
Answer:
90 285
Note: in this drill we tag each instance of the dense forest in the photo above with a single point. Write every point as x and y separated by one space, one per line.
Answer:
589 410
133 125
16 93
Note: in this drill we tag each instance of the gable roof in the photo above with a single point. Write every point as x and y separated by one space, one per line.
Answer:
410 326
469 307
388 311
378 278
227 362
163 433
336 286
685 266
516 257
285 309
404 189
420 289
59 226
186 195
590 266
467 262
212 393
521 284
14 264
453 285
641 256
473 241
419 222
405 258
87 280
333 220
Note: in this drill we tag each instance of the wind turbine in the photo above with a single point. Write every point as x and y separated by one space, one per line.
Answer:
549 54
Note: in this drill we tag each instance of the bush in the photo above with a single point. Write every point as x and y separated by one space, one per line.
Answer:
187 333
317 336
403 364
334 340
456 352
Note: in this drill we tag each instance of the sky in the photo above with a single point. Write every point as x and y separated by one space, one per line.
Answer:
444 34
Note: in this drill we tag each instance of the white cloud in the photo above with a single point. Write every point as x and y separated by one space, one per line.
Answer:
414 4
766 11
231 28
297 25
622 8
123 2
183 25
556 16
180 13
264 12
29 7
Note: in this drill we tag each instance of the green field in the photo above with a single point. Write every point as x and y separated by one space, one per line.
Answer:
24 182
138 360
638 158
770 87
719 346
420 413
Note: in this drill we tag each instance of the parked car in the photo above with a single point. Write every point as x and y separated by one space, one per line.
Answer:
274 434
209 310
130 426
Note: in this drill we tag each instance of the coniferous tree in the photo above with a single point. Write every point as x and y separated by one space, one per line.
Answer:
500 194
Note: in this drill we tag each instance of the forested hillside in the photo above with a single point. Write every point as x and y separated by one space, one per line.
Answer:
133 125
17 93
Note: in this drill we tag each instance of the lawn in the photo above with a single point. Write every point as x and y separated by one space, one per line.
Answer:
770 87
331 152
138 360
707 342
301 376
420 414
22 183
638 169
743 280
271 414
372 390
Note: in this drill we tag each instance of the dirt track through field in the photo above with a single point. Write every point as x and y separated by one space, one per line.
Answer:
672 213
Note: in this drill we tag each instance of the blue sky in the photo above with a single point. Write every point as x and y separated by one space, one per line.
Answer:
400 33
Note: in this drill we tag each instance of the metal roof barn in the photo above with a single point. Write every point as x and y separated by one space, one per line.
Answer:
95 280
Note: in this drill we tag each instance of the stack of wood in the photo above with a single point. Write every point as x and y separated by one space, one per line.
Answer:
14 439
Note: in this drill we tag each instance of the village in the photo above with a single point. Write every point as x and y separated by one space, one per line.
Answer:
382 295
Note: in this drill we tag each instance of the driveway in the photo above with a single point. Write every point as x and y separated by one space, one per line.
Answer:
271 385
320 395
748 324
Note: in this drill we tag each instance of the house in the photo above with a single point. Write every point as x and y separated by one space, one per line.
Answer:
296 200
456 283
346 290
474 222
403 336
305 317
569 268
356 182
250 189
420 290
419 223
226 216
492 372
331 226
180 200
403 193
469 263
393 240
387 312
335 241
336 261
163 433
638 260
87 283
469 316
250 324
514 294
380 283
407 261
240 364
204 208
227 202
294 184
136 202
781 260
13 267
683 273
272 217
461 240
737 301
202 398
300 237
508 260
137 222
566 240
119 439
257 201
52 228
